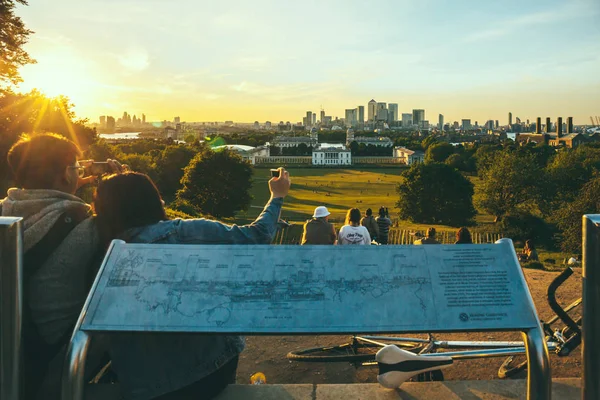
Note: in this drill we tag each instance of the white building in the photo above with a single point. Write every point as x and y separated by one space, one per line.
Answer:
247 153
331 156
293 141
407 156
375 141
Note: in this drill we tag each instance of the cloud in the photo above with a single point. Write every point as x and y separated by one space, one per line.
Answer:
135 60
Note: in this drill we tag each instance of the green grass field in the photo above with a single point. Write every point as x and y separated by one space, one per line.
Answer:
341 189
337 189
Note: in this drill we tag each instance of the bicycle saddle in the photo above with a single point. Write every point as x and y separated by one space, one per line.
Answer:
396 366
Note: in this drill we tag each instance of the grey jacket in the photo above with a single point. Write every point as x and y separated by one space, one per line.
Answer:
153 364
59 288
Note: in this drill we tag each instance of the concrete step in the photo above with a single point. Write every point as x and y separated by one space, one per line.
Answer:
562 389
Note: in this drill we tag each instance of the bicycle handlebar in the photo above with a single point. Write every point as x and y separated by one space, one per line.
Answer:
560 312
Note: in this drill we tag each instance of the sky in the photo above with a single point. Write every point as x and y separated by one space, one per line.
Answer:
240 60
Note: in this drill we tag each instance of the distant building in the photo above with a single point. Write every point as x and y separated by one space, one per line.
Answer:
367 140
466 124
311 140
406 120
418 116
361 114
372 110
268 125
176 120
331 156
392 112
441 122
381 112
110 123
322 116
143 119
103 121
350 117
509 118
256 125
407 156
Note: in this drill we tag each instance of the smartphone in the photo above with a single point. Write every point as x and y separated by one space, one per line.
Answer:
99 168
275 173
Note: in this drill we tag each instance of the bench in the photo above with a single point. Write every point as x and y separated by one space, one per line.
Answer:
271 290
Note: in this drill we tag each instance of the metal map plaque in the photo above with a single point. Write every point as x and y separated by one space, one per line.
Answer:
309 289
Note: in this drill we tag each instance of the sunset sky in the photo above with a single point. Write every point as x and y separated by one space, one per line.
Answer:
274 60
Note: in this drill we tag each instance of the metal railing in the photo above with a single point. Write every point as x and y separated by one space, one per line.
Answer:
590 345
11 308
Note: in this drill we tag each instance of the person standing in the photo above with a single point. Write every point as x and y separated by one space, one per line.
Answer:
383 223
368 221
430 239
319 230
353 232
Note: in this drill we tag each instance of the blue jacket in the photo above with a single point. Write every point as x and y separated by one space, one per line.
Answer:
152 364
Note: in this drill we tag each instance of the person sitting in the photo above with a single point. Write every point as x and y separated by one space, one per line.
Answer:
61 251
368 221
383 223
463 236
352 232
318 230
529 252
179 366
429 239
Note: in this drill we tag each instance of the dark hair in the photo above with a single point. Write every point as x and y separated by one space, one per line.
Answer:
353 216
38 161
529 244
463 236
382 211
126 201
431 232
369 212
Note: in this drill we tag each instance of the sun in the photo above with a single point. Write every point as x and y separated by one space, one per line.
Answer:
61 74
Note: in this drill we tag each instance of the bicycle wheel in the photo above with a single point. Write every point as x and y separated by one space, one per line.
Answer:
508 369
350 352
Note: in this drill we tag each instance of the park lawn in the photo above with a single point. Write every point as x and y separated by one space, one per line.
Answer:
337 189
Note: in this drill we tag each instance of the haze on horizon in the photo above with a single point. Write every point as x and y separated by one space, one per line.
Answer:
272 60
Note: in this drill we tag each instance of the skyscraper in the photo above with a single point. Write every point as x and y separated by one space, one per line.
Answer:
392 112
322 116
372 110
350 117
308 118
143 119
441 122
381 114
510 118
103 121
466 124
177 120
406 120
314 119
418 116
361 114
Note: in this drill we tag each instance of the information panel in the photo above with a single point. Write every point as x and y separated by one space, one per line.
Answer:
309 289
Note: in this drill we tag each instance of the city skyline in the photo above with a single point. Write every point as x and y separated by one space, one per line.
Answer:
245 62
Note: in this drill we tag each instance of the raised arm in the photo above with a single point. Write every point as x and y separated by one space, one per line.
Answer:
261 231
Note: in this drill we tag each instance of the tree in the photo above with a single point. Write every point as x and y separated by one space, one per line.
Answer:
169 168
435 194
13 36
511 181
217 183
438 152
569 217
456 162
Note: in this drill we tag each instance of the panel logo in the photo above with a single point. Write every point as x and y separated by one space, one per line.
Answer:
464 317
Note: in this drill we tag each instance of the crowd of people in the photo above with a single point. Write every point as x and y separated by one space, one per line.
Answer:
64 242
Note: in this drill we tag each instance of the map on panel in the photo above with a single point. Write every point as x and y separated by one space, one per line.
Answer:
309 289
262 287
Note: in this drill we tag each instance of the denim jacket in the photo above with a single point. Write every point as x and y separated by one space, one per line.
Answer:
153 364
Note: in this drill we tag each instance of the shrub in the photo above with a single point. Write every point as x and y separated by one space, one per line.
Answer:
521 225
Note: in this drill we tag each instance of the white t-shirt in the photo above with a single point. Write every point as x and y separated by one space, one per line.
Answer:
349 234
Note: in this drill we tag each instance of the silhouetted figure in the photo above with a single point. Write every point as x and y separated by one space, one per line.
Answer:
430 239
383 222
463 236
529 252
368 221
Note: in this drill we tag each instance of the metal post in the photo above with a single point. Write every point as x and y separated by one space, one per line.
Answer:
590 347
11 303
539 379
73 383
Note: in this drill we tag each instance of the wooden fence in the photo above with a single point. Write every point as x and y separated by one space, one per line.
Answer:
293 235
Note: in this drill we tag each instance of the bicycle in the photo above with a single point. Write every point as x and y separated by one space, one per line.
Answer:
363 350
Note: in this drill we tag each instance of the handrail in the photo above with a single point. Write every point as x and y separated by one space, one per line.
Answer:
11 303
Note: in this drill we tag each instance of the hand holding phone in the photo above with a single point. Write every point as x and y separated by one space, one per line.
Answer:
275 173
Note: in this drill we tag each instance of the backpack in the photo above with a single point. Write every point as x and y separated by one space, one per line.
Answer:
37 353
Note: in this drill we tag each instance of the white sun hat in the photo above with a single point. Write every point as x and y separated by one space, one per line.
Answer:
321 211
